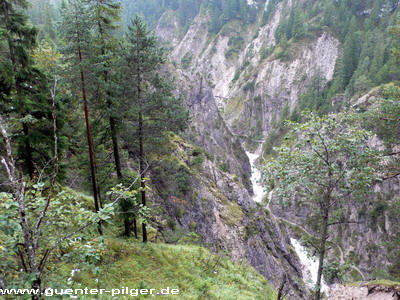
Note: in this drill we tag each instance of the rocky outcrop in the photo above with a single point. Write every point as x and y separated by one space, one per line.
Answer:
221 210
364 291
240 55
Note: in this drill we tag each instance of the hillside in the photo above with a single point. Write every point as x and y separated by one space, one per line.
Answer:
225 135
193 270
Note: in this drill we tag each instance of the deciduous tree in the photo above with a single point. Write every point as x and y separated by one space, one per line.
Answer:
325 160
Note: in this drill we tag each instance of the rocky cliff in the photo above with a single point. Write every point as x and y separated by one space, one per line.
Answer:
236 85
219 206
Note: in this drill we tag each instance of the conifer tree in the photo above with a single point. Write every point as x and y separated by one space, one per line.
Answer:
77 22
22 85
106 14
152 108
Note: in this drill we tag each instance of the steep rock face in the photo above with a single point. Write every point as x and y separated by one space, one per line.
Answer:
278 83
168 29
250 84
250 87
220 208
212 72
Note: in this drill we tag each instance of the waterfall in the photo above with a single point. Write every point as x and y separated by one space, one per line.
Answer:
310 264
255 178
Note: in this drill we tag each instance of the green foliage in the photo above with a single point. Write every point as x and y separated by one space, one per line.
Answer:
128 200
66 214
283 49
323 162
294 26
314 99
183 181
318 151
198 160
153 109
336 271
224 11
23 87
186 60
224 166
249 86
235 45
383 115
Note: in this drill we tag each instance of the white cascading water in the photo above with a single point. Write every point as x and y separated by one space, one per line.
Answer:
310 271
255 177
310 264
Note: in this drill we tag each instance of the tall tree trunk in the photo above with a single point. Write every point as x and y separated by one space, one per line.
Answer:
36 285
127 227
114 139
89 136
142 171
322 250
28 151
112 121
135 228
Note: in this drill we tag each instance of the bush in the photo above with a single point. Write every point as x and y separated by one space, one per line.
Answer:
186 60
183 182
249 86
198 160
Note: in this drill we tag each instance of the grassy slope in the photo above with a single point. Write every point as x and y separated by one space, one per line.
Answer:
193 270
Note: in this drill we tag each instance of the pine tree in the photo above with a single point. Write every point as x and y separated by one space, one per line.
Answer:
77 22
23 87
299 26
106 15
153 109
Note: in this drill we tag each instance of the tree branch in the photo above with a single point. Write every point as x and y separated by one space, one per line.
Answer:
56 244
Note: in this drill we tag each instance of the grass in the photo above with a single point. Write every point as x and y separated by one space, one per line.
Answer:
235 106
197 273
380 282
383 282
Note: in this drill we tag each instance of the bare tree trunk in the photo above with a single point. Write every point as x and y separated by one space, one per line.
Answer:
114 139
142 171
36 285
135 228
28 149
127 227
322 250
89 137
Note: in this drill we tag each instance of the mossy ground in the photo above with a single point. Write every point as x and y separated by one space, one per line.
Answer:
193 270
380 282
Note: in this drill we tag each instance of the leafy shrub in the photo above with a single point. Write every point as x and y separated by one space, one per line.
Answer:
186 60
249 86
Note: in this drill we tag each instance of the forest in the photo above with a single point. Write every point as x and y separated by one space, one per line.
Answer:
215 149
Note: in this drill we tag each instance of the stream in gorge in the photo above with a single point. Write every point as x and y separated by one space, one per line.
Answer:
309 263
